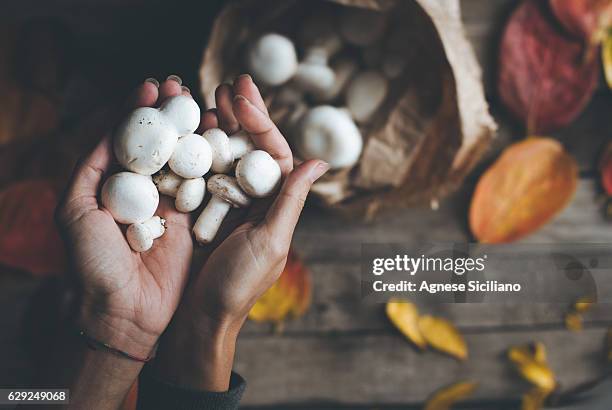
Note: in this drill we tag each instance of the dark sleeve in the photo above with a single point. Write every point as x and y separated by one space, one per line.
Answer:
157 395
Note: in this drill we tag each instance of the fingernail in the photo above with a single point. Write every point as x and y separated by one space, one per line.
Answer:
175 78
245 76
185 89
318 171
239 97
152 81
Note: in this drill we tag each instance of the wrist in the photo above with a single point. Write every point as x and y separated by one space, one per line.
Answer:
206 349
121 333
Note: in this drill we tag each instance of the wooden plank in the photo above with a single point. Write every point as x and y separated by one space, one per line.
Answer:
384 369
331 248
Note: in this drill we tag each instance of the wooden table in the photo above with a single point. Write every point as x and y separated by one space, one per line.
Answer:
344 353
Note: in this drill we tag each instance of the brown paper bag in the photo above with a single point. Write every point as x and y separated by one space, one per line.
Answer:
434 125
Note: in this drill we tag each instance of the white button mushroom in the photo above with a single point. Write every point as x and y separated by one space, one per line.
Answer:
190 195
344 69
272 59
365 94
146 139
192 157
258 174
313 75
362 27
130 197
140 235
226 193
328 133
225 150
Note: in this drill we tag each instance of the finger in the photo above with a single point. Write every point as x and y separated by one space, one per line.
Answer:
209 120
263 132
283 215
223 98
145 95
170 88
244 85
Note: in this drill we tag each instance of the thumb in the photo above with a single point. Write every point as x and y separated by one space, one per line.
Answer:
283 215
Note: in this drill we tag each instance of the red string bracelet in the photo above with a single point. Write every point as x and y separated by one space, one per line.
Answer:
98 345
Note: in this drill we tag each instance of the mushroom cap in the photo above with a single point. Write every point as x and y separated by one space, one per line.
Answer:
167 182
192 156
227 188
144 141
361 27
344 69
365 94
130 197
190 195
258 174
272 59
183 112
314 77
328 133
222 157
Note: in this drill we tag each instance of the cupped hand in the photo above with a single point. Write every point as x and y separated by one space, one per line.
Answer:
128 298
243 262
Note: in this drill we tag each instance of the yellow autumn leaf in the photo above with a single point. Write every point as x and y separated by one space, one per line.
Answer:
405 316
606 54
442 335
534 399
530 361
573 321
444 398
289 296
583 304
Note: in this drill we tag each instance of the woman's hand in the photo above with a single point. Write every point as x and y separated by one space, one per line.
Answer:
246 262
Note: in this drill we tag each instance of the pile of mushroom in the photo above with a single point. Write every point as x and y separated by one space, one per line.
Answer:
334 77
161 154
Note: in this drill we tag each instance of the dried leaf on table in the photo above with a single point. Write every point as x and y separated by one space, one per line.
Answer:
526 187
543 78
605 168
29 240
583 304
443 336
606 56
534 399
573 321
405 316
289 296
530 362
585 19
444 398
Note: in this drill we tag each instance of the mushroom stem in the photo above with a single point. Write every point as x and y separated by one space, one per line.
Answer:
209 221
140 235
167 182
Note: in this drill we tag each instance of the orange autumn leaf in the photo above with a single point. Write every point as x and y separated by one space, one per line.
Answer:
530 362
534 399
405 316
444 398
526 187
289 296
29 240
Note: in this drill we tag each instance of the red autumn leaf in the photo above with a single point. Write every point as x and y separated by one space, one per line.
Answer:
605 168
585 19
29 240
543 79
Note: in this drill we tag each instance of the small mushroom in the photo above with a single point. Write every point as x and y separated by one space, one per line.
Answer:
226 193
365 94
361 27
225 150
190 195
145 140
272 59
192 157
313 75
328 133
140 235
393 65
258 174
344 69
129 197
